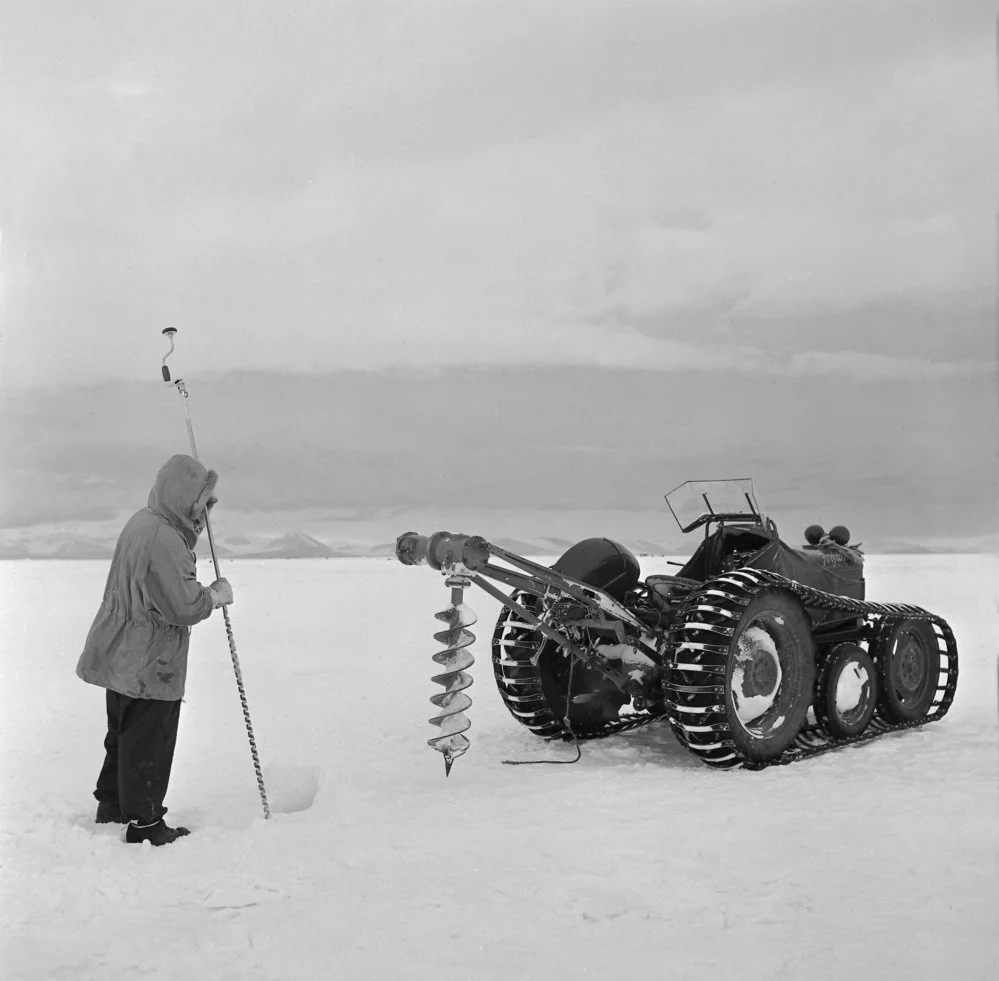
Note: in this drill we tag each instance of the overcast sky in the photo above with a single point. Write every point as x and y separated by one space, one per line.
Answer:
783 191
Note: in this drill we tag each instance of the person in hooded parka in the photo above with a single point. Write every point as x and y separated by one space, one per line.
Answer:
137 646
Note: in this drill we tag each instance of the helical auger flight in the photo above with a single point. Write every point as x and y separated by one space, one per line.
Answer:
444 553
455 659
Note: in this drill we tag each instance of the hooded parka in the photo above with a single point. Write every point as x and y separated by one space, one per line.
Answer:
137 645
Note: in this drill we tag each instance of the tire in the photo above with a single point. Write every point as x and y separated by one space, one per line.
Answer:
848 692
769 675
535 694
596 700
514 644
908 657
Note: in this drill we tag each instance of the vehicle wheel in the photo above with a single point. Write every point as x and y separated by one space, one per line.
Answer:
596 700
535 694
769 675
908 657
848 691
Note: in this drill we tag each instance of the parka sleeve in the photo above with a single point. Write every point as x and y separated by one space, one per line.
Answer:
172 586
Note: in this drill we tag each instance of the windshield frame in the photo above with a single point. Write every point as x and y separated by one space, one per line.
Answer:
735 496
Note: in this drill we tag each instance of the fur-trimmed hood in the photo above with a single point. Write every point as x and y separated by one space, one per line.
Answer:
181 493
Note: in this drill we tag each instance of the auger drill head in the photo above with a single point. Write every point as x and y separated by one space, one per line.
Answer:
442 550
456 556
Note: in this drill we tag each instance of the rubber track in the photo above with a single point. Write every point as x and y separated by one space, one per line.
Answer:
696 703
695 691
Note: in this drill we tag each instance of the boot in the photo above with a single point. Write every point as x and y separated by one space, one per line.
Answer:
108 813
157 833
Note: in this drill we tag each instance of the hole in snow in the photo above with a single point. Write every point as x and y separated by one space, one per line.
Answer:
291 788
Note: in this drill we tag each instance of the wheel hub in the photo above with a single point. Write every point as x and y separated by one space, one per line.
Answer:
757 675
761 674
911 667
852 690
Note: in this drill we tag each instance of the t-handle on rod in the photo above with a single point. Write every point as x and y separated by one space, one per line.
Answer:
178 383
168 332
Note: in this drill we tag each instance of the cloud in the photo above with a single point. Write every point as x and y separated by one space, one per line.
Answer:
619 347
27 513
900 448
385 186
877 367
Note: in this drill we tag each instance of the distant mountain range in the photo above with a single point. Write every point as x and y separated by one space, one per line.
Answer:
14 550
69 548
297 545
293 545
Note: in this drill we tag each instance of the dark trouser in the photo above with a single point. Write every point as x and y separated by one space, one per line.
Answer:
142 734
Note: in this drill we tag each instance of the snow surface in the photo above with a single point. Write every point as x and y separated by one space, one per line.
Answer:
873 862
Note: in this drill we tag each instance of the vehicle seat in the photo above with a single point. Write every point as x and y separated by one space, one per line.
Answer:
710 558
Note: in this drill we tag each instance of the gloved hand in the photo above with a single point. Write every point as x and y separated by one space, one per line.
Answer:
221 593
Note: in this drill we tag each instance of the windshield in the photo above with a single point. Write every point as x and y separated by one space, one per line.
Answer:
695 502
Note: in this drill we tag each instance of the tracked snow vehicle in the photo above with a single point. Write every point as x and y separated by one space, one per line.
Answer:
755 652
